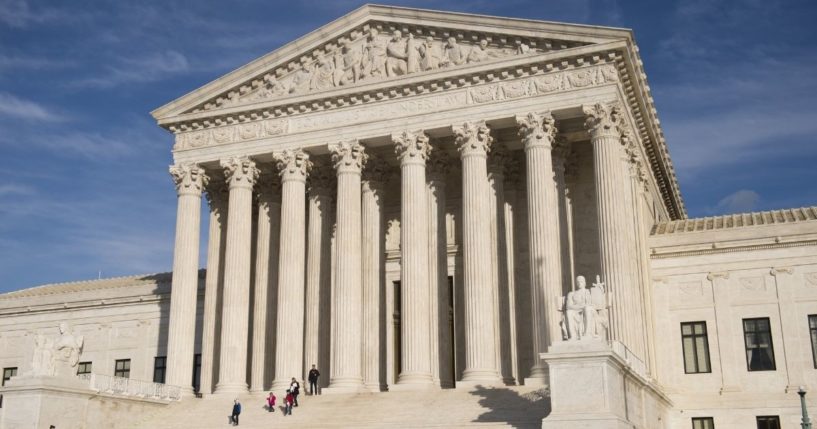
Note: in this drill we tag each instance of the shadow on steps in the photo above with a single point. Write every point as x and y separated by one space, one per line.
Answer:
509 406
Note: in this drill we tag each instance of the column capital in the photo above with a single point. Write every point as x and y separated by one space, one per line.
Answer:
411 147
717 275
189 178
473 138
240 172
537 129
292 164
322 179
781 270
603 120
498 159
437 166
348 156
217 194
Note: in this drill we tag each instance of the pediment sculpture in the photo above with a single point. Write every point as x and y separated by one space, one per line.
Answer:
370 57
585 312
56 357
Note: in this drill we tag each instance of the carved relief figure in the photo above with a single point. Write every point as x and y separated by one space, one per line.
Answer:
301 80
67 350
431 54
397 55
412 55
272 88
599 297
373 63
347 66
41 360
323 75
479 53
454 54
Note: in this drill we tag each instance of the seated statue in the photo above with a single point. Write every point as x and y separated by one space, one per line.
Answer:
585 311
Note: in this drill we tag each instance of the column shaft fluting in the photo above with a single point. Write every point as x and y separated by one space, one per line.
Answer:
473 140
241 176
266 260
189 179
213 285
293 167
538 132
373 270
441 341
415 331
318 255
347 299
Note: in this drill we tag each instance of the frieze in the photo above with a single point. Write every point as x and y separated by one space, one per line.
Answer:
555 81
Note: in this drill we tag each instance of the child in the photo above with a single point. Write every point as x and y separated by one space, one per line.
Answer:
288 403
271 402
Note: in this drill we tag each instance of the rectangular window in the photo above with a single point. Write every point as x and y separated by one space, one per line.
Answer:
696 347
159 369
757 335
7 374
196 371
84 368
768 422
812 327
703 423
122 368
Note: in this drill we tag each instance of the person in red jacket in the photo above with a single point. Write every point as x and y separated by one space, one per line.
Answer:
288 401
271 402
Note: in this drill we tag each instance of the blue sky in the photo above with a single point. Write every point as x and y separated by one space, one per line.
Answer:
83 168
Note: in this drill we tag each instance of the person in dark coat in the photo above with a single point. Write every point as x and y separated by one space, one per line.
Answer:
236 412
313 381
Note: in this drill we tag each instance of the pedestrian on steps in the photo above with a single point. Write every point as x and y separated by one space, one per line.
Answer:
313 381
236 412
271 402
295 389
288 400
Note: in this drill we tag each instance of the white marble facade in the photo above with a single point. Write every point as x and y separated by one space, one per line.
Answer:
403 197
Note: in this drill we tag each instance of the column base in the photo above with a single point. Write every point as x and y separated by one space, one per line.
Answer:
230 389
413 387
536 381
375 387
480 377
344 386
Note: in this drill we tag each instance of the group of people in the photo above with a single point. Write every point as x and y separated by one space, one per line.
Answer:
290 399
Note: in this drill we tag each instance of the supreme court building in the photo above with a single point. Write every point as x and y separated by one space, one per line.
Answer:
404 198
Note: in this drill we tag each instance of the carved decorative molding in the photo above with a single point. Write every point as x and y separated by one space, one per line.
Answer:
411 147
753 284
240 172
189 178
292 164
348 156
537 129
473 138
603 120
811 278
781 270
717 275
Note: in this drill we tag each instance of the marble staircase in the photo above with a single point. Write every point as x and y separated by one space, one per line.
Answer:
517 407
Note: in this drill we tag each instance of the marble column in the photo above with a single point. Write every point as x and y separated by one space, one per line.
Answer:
442 352
217 194
241 175
293 167
266 276
474 141
318 275
496 200
603 122
510 207
538 131
189 180
348 158
643 297
412 150
373 236
561 153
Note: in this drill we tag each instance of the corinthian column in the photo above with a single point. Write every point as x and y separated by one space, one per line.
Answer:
293 166
412 150
614 225
318 254
473 140
266 276
442 352
241 175
213 284
538 131
374 178
347 304
189 180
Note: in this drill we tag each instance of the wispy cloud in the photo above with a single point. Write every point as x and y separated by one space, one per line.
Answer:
741 201
15 107
148 68
18 62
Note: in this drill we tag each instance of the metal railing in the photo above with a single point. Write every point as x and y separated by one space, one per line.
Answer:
132 388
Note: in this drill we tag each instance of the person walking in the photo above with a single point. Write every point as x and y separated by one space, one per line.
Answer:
236 412
313 381
295 389
271 402
288 400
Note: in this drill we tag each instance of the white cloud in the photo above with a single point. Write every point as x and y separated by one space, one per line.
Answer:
13 189
31 63
149 68
741 201
16 107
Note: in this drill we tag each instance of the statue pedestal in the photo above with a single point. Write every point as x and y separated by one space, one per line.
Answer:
598 385
40 401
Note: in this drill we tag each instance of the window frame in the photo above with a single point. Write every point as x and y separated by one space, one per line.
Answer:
695 350
756 332
11 371
83 366
767 419
812 330
704 420
117 371
157 367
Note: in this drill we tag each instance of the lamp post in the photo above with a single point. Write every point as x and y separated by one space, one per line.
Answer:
806 424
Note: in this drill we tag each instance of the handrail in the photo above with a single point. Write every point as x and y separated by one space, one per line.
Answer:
129 387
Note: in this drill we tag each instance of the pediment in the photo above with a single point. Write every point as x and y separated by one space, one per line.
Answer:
378 44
